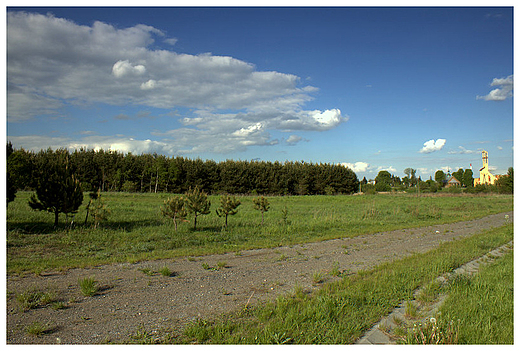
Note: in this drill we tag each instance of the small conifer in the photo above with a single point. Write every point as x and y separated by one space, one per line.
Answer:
175 208
228 206
261 204
197 203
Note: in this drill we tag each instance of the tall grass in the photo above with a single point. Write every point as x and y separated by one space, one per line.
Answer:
341 312
136 230
486 316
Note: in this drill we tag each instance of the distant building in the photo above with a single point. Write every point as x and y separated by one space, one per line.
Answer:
453 182
485 175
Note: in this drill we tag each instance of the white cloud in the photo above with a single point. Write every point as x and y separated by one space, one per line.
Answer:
386 168
123 68
504 91
66 63
293 139
115 143
244 132
463 150
357 167
432 145
148 85
171 41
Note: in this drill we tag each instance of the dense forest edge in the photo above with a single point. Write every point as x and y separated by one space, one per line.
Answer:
152 173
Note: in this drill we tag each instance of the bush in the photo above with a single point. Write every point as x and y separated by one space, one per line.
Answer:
368 189
382 186
129 186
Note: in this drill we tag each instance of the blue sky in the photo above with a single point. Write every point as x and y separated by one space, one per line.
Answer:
372 88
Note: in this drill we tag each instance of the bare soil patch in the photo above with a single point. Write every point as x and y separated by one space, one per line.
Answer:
136 296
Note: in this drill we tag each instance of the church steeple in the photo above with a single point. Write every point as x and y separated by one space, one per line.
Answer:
485 176
484 159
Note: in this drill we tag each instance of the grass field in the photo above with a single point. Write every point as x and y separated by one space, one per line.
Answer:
136 230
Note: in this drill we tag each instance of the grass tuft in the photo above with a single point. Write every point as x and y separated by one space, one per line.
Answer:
88 286
38 329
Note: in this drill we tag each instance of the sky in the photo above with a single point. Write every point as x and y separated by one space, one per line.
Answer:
375 88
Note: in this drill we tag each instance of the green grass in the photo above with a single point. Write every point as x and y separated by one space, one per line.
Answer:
136 230
488 304
165 272
35 299
88 286
38 329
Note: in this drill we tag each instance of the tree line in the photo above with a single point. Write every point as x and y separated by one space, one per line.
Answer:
114 171
385 182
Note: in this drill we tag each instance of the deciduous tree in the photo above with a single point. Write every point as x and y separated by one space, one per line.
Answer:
440 177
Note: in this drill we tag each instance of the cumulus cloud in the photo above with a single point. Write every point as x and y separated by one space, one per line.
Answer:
123 68
66 63
357 167
432 146
504 90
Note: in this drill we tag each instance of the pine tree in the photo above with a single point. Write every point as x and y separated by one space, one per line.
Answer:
10 185
99 210
197 203
228 206
175 208
261 204
57 190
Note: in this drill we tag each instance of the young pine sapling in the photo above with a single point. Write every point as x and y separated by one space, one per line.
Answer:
175 209
261 204
228 206
99 210
197 203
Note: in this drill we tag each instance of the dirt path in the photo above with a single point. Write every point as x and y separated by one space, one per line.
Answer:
130 298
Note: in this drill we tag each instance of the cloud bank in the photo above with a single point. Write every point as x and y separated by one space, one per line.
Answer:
432 146
53 63
504 90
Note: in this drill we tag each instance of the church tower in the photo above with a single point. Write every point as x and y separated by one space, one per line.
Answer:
485 176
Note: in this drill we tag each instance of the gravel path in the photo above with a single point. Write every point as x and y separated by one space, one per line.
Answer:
134 296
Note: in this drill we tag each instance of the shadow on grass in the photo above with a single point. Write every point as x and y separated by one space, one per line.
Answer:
48 228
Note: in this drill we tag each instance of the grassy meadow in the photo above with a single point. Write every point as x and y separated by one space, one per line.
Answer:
135 229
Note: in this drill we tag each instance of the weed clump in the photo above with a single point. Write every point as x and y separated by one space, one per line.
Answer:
38 328
88 286
34 299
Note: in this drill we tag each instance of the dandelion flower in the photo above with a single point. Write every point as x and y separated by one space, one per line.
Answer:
433 320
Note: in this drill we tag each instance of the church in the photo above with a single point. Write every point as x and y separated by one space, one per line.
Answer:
485 175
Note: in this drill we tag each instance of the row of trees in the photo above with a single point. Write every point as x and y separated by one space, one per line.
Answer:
115 171
387 182
196 202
